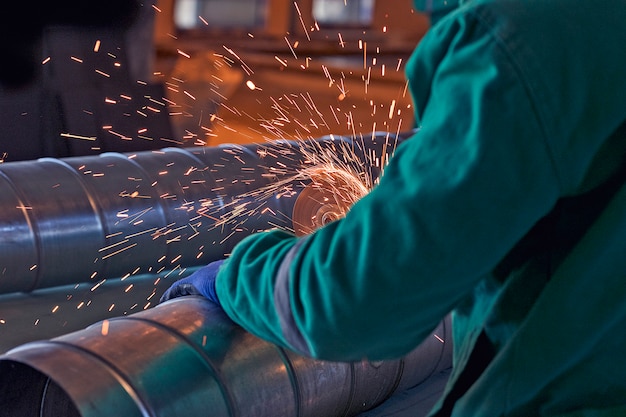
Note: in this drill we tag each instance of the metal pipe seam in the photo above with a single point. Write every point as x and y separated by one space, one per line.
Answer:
185 357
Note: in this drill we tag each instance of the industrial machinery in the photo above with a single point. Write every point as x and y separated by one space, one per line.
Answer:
103 218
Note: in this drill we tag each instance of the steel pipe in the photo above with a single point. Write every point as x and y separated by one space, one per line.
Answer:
82 219
186 358
75 219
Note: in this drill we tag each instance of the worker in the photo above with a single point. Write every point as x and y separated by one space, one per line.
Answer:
507 210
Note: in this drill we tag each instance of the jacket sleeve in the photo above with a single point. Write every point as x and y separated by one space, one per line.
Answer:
453 200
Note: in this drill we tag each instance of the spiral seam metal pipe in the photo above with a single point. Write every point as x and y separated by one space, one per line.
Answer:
65 218
186 358
83 219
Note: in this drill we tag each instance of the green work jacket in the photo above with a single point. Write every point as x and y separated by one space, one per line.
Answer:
506 209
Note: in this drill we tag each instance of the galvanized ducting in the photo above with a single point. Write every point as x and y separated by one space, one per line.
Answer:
186 358
83 219
75 219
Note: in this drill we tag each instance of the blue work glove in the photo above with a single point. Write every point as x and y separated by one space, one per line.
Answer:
201 282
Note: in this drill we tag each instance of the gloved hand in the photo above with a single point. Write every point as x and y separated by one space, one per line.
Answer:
201 282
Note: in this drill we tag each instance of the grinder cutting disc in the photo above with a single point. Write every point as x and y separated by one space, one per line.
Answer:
328 197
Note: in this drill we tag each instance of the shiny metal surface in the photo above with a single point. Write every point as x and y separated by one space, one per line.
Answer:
80 219
85 219
186 358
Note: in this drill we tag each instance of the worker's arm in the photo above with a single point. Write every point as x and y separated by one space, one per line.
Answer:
511 120
451 203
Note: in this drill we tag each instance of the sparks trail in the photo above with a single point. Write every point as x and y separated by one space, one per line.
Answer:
358 76
341 172
347 171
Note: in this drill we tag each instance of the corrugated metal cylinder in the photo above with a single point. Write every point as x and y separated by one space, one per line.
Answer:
186 358
84 218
